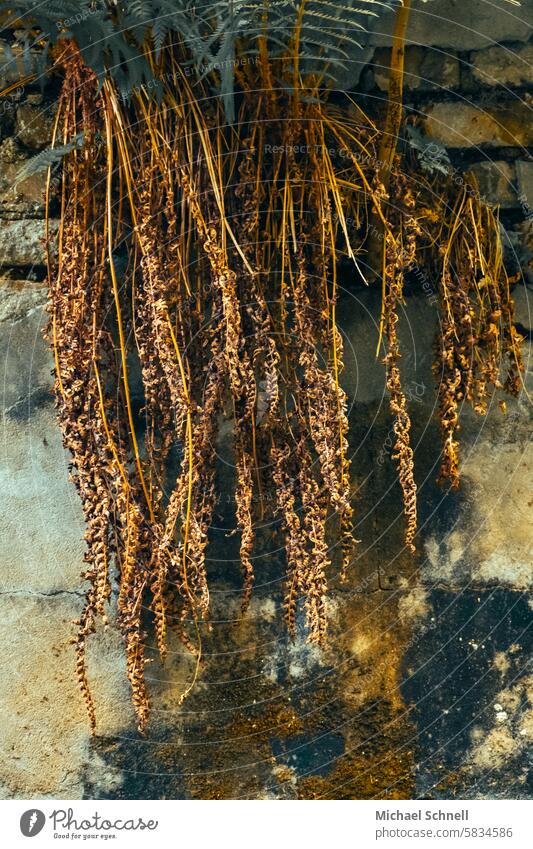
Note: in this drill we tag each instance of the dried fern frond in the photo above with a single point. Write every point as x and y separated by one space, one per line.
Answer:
227 300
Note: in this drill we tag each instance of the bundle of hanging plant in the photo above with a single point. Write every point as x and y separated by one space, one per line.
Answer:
200 241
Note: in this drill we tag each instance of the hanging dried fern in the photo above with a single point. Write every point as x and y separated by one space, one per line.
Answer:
227 300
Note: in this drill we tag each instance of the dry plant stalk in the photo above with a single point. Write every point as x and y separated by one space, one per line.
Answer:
395 266
209 259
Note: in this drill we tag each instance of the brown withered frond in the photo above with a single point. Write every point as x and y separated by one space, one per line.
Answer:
204 259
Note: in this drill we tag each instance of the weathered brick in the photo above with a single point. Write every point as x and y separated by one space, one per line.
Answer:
22 242
20 196
465 25
524 174
498 124
34 125
496 182
504 66
12 65
424 69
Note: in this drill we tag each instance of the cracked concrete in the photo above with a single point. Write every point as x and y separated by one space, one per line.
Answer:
52 594
44 751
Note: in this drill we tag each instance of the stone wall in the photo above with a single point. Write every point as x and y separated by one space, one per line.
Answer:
469 86
423 690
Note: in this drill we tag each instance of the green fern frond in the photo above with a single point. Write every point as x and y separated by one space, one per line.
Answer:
49 158
112 35
141 9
